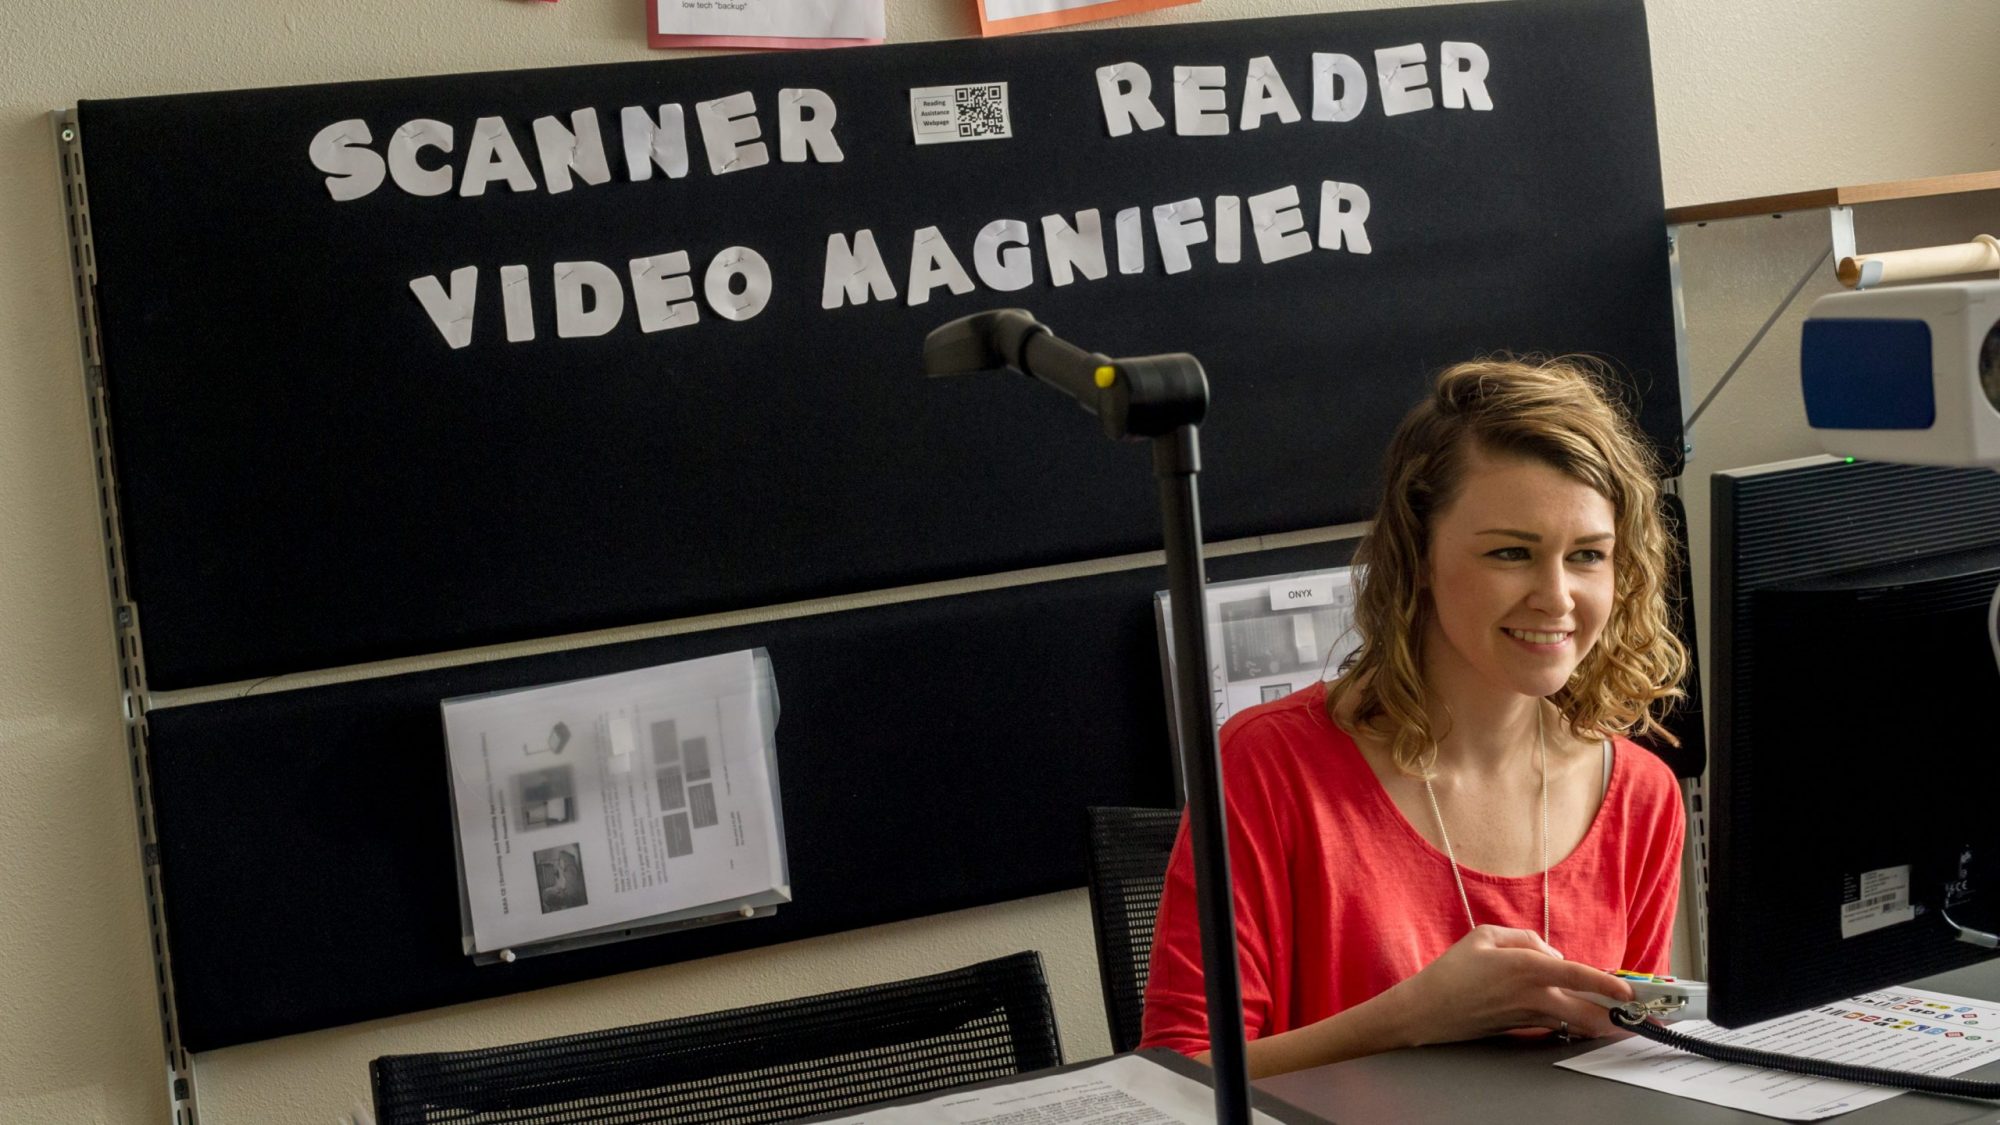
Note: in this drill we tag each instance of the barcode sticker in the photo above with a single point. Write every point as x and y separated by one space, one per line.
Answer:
1875 899
977 112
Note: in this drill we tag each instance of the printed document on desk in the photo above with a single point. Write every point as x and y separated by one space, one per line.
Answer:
1126 1090
631 799
1899 1029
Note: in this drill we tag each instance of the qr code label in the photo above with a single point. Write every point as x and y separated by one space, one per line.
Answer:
976 112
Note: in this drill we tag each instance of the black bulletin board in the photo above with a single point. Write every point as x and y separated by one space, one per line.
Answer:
307 860
310 475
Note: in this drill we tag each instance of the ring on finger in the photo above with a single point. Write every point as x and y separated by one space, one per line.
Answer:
1562 1033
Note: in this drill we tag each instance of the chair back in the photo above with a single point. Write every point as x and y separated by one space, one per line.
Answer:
1128 869
766 1063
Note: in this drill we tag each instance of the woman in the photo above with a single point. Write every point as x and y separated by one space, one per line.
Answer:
1454 836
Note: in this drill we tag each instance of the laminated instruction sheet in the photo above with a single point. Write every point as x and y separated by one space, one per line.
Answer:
1903 1029
633 799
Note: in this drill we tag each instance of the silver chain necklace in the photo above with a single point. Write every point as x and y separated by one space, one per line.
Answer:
1542 764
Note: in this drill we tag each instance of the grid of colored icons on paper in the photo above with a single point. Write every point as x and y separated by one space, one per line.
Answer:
1925 1017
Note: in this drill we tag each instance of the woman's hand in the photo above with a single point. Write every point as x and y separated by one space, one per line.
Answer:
1495 980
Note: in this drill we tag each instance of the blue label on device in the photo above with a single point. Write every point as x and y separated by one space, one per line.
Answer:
1870 374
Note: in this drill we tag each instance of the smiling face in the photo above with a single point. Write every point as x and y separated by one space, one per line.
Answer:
1519 575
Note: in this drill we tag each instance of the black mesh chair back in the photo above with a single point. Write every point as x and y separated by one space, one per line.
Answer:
770 1062
1128 869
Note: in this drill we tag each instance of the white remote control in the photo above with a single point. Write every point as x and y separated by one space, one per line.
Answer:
1665 998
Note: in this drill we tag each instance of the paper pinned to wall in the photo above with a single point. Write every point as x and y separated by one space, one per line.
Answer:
946 114
790 24
600 806
1267 637
1005 17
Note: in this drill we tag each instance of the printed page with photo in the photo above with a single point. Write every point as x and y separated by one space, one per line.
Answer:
637 797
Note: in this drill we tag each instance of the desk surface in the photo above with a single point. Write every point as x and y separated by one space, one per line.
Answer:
1517 1080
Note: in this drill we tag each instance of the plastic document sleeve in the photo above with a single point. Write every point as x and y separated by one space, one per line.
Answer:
617 806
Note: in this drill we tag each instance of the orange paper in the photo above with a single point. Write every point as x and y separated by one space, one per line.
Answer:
1058 16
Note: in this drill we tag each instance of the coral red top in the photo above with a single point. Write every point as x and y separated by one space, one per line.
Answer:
1338 897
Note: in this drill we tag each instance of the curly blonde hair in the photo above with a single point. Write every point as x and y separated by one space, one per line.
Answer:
1557 412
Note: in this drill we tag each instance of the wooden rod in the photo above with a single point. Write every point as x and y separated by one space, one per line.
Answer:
1864 270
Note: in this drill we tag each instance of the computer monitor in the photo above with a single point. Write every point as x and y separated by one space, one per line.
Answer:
1855 785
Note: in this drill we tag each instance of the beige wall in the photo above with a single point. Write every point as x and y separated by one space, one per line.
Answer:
1754 96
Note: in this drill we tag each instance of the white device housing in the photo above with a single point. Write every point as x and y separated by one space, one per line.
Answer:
1843 373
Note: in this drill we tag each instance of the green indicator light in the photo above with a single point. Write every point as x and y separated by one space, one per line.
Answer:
1850 461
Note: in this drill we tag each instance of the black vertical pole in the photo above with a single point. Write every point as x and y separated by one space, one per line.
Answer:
1162 397
1176 460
